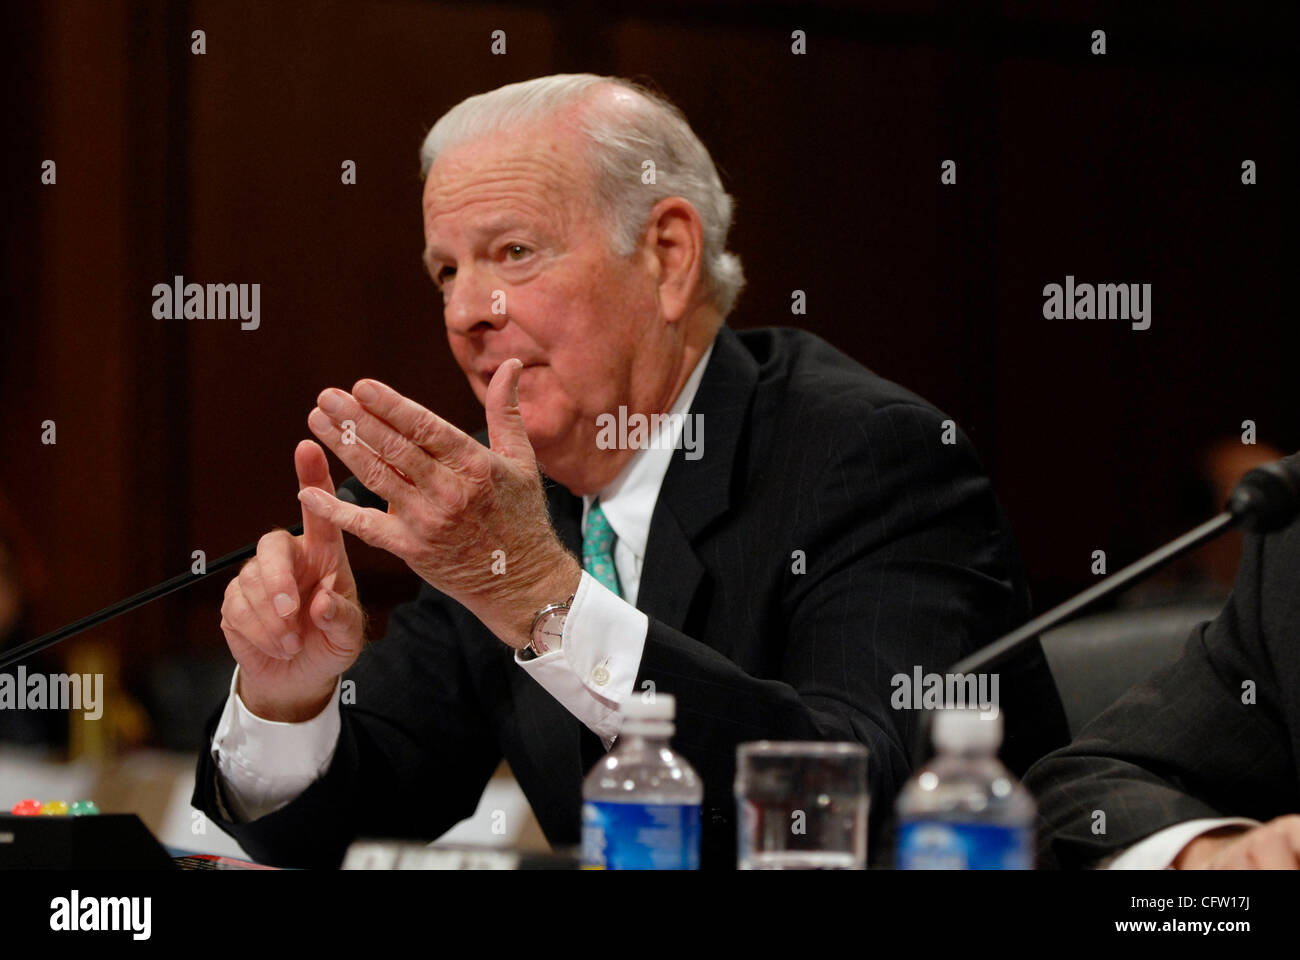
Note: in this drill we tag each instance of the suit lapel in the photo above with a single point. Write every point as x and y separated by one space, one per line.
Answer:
566 515
696 492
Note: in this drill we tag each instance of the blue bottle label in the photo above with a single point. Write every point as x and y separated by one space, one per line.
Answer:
942 845
640 836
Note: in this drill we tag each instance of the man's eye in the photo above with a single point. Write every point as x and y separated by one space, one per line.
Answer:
445 274
516 251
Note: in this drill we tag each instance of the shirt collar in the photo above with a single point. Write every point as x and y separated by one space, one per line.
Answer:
628 502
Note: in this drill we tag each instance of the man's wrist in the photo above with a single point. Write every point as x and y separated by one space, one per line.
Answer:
558 584
274 706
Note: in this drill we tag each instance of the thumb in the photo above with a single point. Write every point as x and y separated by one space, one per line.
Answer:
341 620
505 423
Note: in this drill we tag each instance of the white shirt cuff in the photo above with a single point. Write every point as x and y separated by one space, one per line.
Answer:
1157 852
600 654
264 764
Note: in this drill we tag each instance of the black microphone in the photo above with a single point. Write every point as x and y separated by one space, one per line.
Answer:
1265 499
351 490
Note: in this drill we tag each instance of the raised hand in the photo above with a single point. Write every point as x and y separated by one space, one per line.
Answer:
470 520
291 617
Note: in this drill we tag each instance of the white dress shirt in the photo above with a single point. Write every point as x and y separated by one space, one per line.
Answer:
264 764
1157 852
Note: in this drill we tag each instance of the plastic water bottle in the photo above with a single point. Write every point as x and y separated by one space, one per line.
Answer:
964 810
641 803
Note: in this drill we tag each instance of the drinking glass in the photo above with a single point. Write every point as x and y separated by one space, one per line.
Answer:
801 805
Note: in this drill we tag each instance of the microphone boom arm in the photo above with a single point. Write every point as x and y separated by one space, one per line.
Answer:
1000 649
177 582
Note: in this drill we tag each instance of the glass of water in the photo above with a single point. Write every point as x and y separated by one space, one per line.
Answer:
801 805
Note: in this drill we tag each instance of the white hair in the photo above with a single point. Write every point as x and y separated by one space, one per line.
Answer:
644 127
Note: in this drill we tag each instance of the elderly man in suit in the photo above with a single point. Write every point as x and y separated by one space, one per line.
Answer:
795 534
1197 766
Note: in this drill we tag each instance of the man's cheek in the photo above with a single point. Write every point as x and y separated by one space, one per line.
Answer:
542 402
537 394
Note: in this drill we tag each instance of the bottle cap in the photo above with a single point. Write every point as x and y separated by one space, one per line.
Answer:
967 729
649 706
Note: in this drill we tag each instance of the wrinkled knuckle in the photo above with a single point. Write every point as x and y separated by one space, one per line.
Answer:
393 448
444 528
373 474
421 523
457 502
249 573
424 432
237 611
479 469
363 525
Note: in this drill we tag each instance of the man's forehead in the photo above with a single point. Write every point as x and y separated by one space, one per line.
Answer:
531 154
493 184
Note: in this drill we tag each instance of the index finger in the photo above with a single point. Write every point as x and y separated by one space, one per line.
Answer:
422 427
314 471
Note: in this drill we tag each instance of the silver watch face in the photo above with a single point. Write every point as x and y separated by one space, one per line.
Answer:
549 632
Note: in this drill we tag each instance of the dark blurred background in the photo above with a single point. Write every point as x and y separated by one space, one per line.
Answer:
177 435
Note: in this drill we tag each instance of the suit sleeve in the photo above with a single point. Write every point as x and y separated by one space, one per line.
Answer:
909 563
415 750
1205 737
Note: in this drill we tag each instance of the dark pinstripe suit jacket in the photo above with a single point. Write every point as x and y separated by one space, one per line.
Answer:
909 561
1190 741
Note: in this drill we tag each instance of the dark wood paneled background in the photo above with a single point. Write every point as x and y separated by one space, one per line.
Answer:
178 435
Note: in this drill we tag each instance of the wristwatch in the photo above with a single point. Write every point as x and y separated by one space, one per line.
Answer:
547 633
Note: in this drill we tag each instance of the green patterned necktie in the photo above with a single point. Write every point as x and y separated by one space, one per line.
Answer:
598 548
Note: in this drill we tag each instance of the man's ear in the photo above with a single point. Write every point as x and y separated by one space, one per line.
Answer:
674 241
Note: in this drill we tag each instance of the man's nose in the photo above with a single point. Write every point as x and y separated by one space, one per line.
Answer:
475 304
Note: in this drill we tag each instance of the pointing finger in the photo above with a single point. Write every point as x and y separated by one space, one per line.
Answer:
314 471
